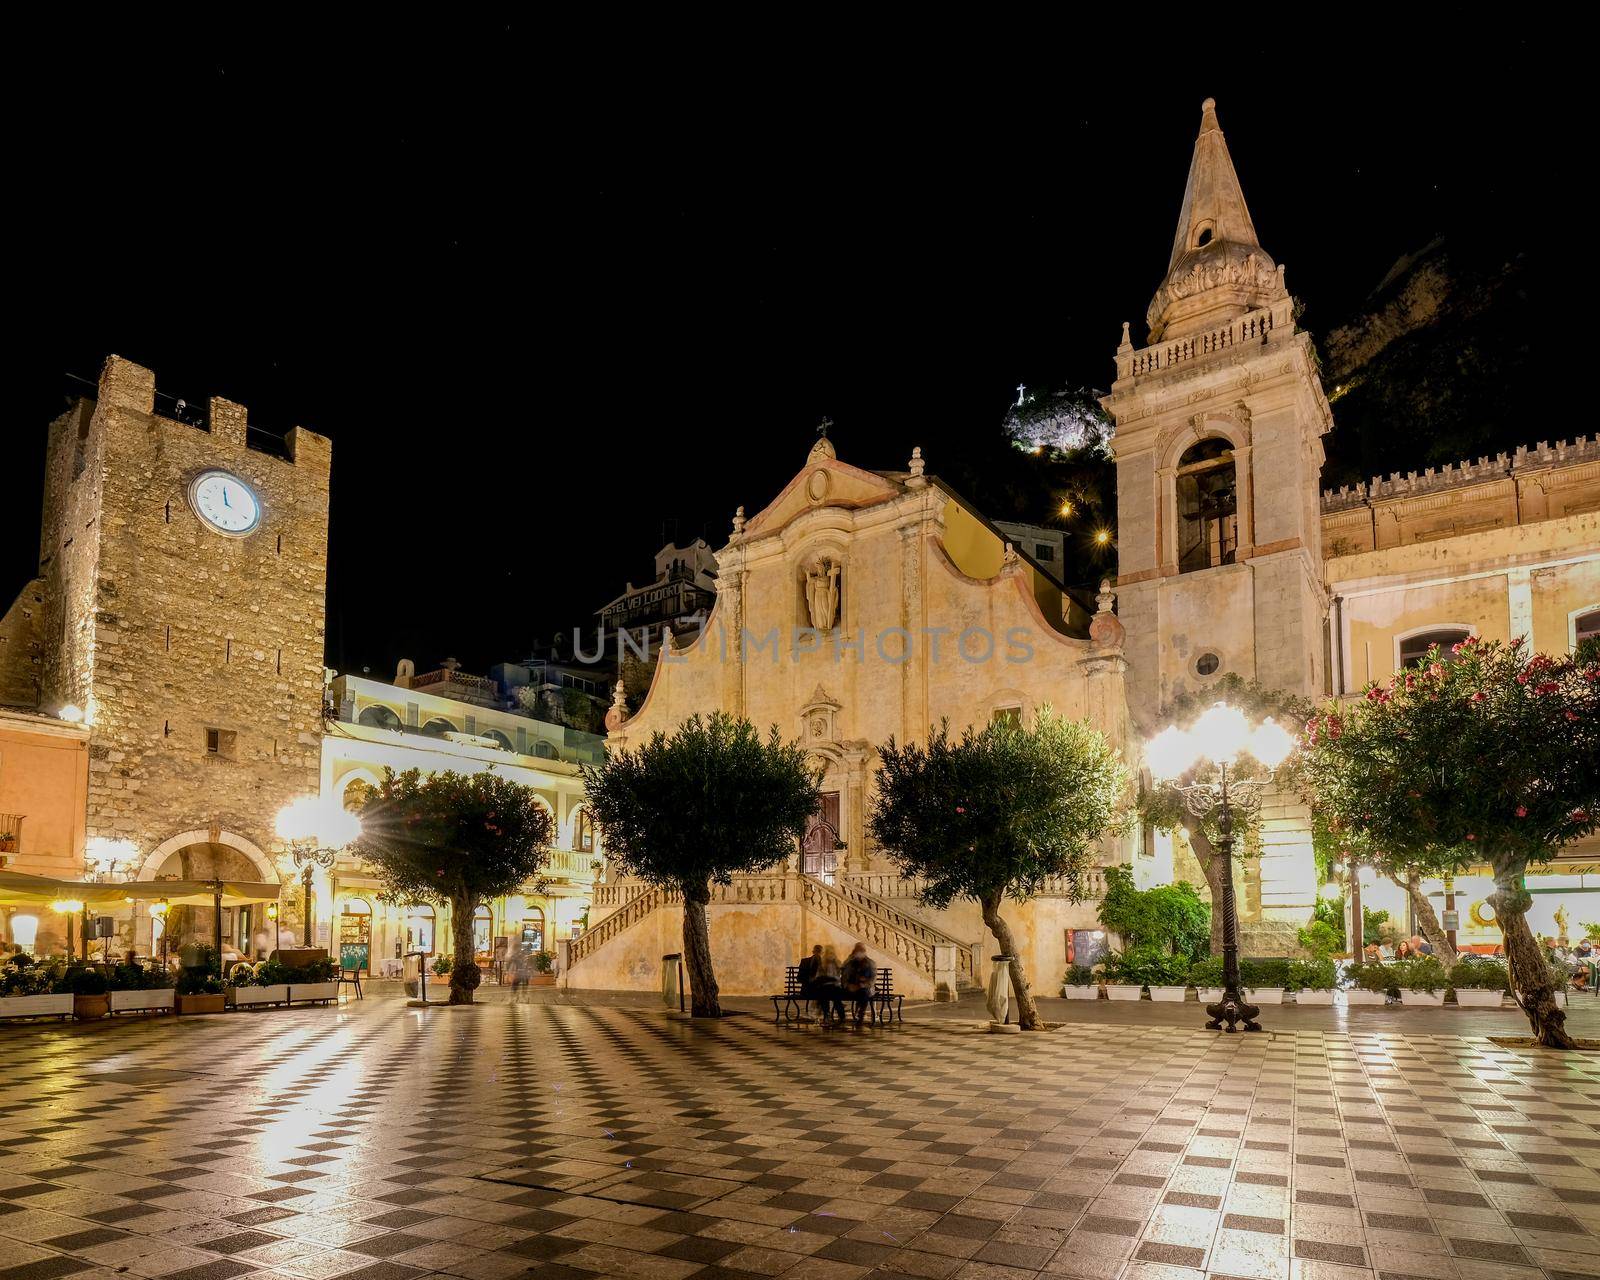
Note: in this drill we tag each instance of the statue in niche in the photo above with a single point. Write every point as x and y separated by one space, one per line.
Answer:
822 593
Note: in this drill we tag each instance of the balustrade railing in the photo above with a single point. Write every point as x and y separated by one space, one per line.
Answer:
1251 327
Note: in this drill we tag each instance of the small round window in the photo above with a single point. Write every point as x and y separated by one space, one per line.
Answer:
1206 664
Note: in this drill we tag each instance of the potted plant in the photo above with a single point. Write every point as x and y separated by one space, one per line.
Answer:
1168 977
544 969
260 984
28 989
1081 983
1266 978
198 991
1127 972
1423 979
136 989
317 981
1370 983
90 992
1480 982
1313 981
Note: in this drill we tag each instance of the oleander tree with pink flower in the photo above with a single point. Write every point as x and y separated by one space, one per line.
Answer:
1480 756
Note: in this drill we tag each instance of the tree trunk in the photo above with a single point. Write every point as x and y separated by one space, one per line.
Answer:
1027 1012
1530 970
464 975
1211 864
697 954
1427 919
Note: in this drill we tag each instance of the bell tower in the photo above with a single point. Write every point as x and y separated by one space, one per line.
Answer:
1218 448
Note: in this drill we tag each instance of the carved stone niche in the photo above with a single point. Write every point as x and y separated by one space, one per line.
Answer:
819 719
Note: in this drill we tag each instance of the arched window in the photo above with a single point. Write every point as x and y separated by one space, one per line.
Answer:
1412 649
378 716
438 727
482 929
1586 626
358 794
1208 506
500 739
583 832
544 750
419 928
533 929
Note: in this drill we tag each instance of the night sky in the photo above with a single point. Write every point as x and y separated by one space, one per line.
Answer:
551 292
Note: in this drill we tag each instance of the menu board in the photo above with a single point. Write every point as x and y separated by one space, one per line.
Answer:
355 943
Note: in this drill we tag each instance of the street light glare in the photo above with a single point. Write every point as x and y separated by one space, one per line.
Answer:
1221 733
1170 754
311 818
1271 743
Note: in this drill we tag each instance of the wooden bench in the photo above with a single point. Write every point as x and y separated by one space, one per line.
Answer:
886 1003
792 998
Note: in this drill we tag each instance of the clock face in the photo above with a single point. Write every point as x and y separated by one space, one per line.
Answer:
226 503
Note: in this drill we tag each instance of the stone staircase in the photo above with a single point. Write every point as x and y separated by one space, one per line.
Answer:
906 940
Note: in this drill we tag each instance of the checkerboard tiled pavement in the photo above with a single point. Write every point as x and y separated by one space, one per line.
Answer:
379 1143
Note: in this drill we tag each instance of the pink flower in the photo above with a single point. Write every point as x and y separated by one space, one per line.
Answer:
1436 669
1548 686
1572 715
1522 811
959 809
1479 696
1470 836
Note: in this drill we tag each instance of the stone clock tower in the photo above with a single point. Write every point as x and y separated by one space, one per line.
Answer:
1218 445
182 579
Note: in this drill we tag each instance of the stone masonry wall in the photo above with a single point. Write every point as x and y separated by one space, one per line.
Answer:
191 630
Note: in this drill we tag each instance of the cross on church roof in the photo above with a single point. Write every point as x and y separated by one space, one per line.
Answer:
822 427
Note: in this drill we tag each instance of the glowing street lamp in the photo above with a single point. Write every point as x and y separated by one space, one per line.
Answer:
316 830
1219 737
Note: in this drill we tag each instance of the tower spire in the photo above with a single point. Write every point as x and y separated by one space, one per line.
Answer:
1218 268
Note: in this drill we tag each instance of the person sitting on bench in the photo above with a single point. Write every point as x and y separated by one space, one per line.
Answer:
806 971
829 994
858 977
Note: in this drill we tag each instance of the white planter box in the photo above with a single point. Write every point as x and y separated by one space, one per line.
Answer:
1313 997
244 996
1264 995
1208 995
141 1001
35 1006
1091 992
1356 996
301 992
1116 991
1169 995
1422 999
1473 998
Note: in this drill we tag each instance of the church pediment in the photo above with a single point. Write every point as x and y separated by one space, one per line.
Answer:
824 482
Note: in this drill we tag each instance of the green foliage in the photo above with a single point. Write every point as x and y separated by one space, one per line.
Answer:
322 969
1480 973
198 982
1591 930
1419 973
1373 934
1146 966
22 975
205 958
137 977
1079 975
1373 976
442 965
1171 916
1330 911
1255 972
1320 974
1319 940
713 799
83 980
1482 754
1001 810
544 961
451 837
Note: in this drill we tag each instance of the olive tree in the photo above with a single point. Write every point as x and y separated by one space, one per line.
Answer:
1482 755
694 808
456 839
996 813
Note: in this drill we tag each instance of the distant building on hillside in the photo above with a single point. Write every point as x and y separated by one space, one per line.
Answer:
684 589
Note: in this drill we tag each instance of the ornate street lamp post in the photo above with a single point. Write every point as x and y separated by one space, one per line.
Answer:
316 831
1177 758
